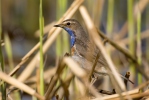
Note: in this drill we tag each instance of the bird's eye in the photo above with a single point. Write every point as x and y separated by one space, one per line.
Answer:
68 23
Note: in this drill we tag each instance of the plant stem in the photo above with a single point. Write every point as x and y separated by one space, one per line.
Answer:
139 54
3 86
110 17
131 32
41 24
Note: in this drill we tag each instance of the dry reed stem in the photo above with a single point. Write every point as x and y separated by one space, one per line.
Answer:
124 42
46 29
127 54
141 86
81 74
144 35
116 96
97 11
67 81
47 76
54 80
19 85
78 71
30 67
142 4
140 95
96 38
65 89
51 86
93 67
17 67
51 37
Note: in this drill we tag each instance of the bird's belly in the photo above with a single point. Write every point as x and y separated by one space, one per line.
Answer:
82 62
87 65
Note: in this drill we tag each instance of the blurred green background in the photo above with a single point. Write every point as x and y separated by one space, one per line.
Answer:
20 20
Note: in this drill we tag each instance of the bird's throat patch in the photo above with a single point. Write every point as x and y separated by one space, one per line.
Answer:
72 36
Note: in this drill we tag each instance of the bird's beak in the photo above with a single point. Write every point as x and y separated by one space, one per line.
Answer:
58 25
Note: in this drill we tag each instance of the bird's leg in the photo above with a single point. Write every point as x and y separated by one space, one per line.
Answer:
93 79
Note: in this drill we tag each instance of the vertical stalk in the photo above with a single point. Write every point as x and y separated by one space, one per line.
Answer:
147 26
65 35
1 55
97 11
41 24
110 16
131 32
8 49
59 39
62 41
139 54
3 86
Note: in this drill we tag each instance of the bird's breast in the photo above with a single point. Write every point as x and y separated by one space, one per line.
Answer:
72 51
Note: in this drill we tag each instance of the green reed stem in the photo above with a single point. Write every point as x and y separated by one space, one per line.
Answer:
139 54
9 51
1 55
110 17
41 25
59 39
147 40
131 31
3 85
65 35
62 41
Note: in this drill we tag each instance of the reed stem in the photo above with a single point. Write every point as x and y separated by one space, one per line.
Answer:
139 53
41 25
3 85
131 32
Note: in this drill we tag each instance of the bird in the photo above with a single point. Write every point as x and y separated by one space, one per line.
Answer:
83 49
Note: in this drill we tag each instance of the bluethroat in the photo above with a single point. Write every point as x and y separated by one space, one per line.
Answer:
83 50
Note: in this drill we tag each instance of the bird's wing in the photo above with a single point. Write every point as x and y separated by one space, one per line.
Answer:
89 51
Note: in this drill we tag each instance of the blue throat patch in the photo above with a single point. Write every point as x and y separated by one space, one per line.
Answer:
72 36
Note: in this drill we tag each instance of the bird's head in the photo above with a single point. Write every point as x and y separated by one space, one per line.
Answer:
74 29
70 25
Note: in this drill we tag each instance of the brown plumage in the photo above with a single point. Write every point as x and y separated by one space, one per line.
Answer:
83 50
